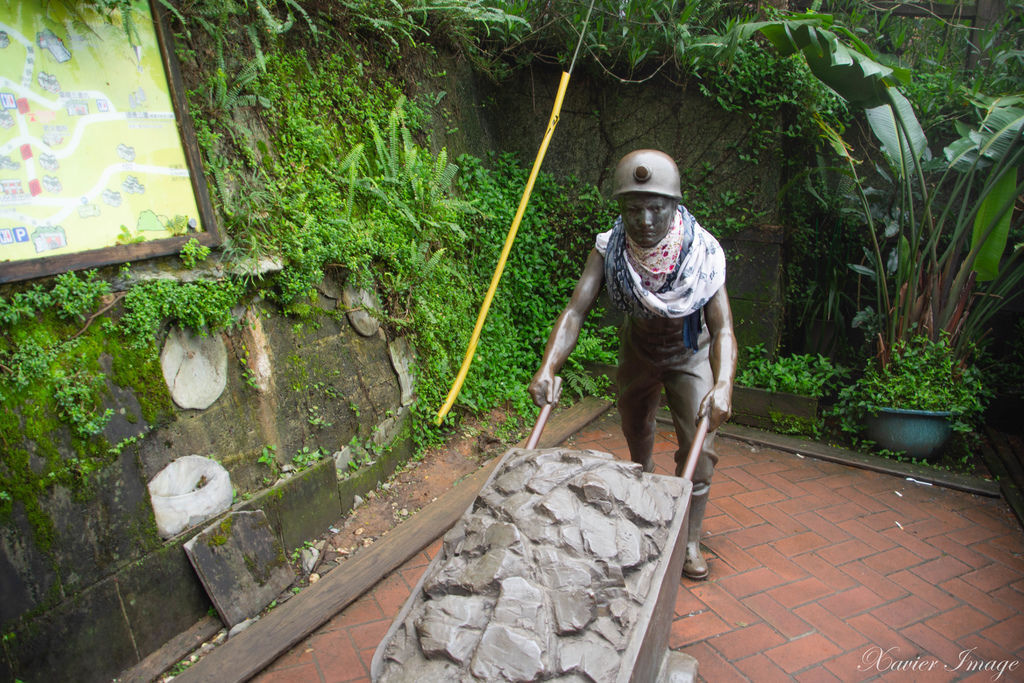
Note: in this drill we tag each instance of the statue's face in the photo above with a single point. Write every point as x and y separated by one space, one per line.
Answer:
647 217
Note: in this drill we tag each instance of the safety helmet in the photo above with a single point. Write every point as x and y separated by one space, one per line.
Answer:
647 170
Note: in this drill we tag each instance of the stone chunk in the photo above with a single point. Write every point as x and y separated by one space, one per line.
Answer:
486 573
475 541
561 506
517 505
452 627
594 490
429 671
513 480
551 473
502 535
195 368
240 563
540 531
559 572
455 539
598 533
402 360
522 605
361 306
507 654
629 546
573 609
445 579
644 504
638 583
590 656
608 629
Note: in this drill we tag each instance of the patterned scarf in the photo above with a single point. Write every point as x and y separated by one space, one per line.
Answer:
698 272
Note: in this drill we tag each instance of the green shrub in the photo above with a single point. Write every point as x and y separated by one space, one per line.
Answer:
192 253
553 241
804 374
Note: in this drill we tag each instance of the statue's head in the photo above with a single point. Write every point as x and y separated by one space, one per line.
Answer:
646 183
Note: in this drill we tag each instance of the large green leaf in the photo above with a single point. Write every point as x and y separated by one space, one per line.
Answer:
862 270
994 219
1005 125
897 128
998 135
904 261
850 71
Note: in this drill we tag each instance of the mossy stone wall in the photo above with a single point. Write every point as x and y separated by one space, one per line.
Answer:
105 590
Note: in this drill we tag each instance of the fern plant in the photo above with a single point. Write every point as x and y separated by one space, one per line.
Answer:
226 93
409 177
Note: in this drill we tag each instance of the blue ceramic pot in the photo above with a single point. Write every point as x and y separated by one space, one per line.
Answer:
920 433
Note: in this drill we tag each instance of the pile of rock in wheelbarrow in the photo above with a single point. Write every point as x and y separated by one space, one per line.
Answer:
565 567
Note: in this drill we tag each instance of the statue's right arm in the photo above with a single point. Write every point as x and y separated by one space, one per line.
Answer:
567 329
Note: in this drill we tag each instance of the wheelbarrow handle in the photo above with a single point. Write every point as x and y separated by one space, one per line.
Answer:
545 413
695 448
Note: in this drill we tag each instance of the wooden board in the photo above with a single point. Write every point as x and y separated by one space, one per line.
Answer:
254 649
1002 454
875 463
241 564
173 651
761 408
763 402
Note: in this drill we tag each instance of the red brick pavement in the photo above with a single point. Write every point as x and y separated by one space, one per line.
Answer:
819 572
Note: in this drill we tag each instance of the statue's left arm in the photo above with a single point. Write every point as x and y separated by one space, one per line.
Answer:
718 403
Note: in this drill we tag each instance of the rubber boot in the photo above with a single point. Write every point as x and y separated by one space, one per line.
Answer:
694 565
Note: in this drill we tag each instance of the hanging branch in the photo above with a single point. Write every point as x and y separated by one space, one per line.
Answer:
117 297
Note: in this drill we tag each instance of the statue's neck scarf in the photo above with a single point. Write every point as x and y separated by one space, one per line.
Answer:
674 279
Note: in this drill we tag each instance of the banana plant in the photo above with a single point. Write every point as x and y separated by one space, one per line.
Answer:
941 266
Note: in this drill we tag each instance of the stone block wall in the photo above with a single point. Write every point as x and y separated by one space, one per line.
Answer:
754 266
600 121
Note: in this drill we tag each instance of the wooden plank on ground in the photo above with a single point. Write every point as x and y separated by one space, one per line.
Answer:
1002 455
252 650
173 651
874 463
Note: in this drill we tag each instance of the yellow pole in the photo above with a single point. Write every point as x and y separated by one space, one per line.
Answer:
464 370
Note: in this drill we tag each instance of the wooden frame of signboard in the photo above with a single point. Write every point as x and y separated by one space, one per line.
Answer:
209 234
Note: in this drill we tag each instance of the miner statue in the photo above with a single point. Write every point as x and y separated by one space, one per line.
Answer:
667 275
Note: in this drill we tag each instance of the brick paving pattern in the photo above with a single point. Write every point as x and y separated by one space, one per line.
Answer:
819 572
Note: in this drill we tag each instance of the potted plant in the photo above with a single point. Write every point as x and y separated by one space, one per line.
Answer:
783 394
916 401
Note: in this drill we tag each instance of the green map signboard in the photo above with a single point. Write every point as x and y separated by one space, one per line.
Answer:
91 155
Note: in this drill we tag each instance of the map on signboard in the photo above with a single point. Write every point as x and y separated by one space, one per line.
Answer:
90 154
